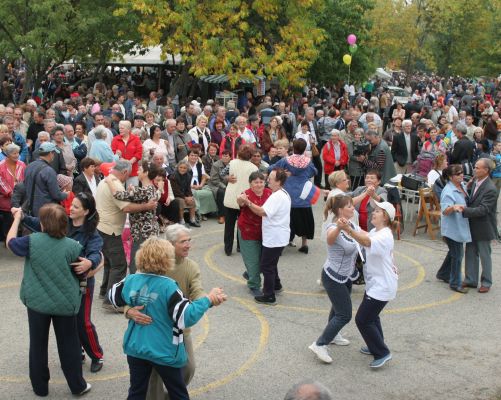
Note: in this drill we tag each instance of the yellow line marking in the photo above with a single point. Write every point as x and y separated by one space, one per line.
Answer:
200 339
263 340
419 246
208 258
9 285
454 297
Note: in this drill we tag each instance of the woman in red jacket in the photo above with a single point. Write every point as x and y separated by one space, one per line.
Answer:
334 155
129 147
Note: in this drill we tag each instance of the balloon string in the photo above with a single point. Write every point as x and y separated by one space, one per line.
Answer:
349 73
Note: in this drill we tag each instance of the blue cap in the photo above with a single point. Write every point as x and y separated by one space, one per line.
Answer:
47 147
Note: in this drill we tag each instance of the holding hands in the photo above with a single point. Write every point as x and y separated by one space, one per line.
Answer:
217 296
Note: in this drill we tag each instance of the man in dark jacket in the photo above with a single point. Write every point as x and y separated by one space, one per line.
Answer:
40 181
481 213
463 148
404 148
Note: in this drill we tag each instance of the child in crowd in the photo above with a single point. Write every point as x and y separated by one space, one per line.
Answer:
282 147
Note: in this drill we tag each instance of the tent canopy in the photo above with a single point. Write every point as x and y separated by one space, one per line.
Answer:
152 56
381 73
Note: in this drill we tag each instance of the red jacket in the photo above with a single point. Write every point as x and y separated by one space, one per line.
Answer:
330 159
134 148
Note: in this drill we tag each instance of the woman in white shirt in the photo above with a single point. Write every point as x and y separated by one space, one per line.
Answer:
200 133
380 279
439 165
155 144
306 135
276 231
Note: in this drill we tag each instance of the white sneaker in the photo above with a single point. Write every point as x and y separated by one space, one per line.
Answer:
85 391
321 352
319 283
339 340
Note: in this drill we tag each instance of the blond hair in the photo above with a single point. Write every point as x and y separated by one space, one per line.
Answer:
4 128
281 143
156 256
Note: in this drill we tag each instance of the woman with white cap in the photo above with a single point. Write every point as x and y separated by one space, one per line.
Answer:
381 278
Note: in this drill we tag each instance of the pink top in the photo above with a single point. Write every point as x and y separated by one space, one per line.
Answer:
8 181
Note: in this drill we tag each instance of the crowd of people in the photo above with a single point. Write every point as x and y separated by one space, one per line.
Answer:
117 170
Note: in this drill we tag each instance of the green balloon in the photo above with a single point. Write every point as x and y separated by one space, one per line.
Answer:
353 48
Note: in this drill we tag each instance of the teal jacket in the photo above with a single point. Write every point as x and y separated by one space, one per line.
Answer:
49 285
162 341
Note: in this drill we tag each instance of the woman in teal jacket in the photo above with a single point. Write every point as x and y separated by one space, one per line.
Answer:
50 290
158 345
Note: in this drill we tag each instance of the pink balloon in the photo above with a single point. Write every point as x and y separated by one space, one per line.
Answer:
351 39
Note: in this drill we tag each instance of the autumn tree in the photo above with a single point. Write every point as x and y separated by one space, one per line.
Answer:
239 38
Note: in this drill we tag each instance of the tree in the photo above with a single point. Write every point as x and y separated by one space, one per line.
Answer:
239 38
45 33
339 19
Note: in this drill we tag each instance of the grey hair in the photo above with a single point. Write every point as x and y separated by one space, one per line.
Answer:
359 130
311 390
461 128
490 164
100 132
371 132
122 165
336 131
11 148
184 162
240 118
173 232
126 124
406 122
41 134
136 131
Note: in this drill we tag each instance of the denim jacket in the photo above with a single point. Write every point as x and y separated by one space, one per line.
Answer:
454 226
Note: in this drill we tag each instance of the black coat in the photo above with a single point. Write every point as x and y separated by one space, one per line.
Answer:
80 184
462 151
399 148
481 211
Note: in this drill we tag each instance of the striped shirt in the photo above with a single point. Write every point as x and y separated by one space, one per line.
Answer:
341 257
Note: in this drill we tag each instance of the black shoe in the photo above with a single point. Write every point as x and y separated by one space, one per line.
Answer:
194 224
96 365
460 289
279 288
227 252
303 249
245 275
267 300
443 279
238 249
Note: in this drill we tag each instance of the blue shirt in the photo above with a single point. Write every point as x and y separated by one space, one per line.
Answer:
454 226
101 150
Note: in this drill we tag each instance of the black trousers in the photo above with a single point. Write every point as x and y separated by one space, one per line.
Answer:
369 325
86 329
269 269
140 371
231 216
6 220
171 212
115 263
220 202
317 162
68 347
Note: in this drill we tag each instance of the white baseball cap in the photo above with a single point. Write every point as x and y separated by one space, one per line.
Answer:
386 206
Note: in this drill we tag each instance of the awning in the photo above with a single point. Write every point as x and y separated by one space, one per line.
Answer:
216 79
152 56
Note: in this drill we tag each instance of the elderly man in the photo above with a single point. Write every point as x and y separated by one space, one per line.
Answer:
246 134
404 148
112 213
186 273
464 148
379 157
79 148
101 150
481 213
308 390
40 181
128 147
170 135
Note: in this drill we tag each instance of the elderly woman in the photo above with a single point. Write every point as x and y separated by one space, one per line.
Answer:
249 230
155 144
69 158
334 155
454 227
238 181
100 149
218 133
160 345
45 278
11 173
186 273
204 198
180 181
301 170
381 277
210 157
200 133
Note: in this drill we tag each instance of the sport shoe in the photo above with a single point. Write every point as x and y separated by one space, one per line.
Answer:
267 300
321 352
96 365
292 244
380 361
85 391
365 350
339 340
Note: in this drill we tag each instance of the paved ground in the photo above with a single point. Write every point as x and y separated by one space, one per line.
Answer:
445 345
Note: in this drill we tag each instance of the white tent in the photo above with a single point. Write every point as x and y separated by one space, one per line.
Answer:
381 73
152 56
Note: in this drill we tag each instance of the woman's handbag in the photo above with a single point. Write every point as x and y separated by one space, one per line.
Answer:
314 150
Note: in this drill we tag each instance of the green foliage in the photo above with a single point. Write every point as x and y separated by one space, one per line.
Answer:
338 20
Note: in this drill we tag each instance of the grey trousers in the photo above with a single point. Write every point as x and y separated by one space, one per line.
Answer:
478 251
156 389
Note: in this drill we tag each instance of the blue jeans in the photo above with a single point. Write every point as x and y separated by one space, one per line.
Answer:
451 267
340 314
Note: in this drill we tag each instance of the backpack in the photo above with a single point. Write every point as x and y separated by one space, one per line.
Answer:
424 163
